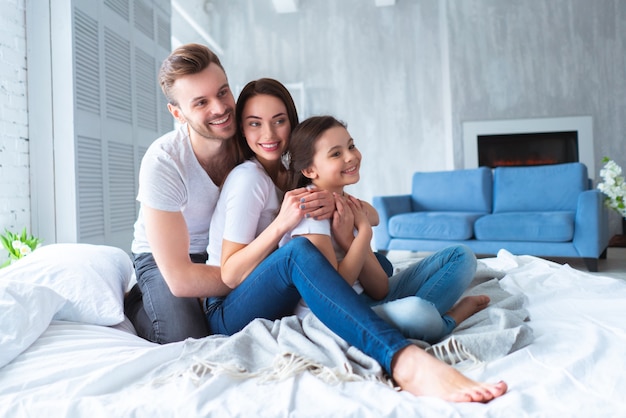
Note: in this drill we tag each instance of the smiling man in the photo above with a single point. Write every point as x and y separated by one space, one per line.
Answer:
179 182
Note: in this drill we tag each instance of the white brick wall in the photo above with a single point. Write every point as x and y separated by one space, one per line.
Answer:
14 161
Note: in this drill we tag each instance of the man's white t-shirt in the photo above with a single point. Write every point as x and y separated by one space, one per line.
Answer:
248 203
171 179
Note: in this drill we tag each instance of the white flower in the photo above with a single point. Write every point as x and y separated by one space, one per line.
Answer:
25 250
613 186
16 244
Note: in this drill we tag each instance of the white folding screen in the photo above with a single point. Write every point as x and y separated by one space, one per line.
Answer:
95 109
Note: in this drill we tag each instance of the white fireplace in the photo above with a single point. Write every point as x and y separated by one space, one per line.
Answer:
583 125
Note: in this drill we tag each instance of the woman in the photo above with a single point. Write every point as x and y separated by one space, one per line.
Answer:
269 284
419 300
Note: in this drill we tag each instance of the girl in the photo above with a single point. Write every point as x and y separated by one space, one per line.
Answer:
268 284
419 300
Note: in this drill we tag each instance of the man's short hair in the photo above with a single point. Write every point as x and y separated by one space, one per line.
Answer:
184 60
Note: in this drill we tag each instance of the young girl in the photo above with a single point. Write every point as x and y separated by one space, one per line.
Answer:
419 301
268 284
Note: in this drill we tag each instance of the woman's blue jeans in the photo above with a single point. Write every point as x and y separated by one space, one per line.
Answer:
420 295
297 270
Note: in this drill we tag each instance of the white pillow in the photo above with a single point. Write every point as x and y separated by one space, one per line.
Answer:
27 309
92 278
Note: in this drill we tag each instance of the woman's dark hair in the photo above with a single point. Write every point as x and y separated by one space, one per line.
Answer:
269 87
302 145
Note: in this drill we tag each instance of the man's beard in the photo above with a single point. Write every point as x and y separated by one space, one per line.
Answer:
205 130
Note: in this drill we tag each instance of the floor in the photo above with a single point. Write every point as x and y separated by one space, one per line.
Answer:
613 266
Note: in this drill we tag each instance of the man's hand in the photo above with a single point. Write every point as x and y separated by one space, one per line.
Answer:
317 204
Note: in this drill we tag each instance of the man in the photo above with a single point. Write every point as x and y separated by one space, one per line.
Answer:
179 183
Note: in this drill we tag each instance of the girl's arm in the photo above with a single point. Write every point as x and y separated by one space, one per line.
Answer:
372 214
360 258
357 249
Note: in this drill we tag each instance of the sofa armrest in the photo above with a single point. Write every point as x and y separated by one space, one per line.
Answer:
388 206
591 228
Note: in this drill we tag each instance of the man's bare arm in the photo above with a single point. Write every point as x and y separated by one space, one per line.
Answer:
169 240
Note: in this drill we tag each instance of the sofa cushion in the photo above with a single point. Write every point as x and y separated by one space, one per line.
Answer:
526 226
467 190
538 188
433 225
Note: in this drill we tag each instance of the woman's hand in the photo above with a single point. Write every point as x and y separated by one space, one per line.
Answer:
293 208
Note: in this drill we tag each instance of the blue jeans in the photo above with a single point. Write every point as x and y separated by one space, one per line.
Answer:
420 295
157 314
297 270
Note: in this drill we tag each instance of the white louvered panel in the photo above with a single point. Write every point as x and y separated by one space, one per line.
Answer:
117 77
164 32
146 89
90 188
107 109
121 7
121 181
141 151
144 18
86 62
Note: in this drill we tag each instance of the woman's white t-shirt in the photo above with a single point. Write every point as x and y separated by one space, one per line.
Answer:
248 203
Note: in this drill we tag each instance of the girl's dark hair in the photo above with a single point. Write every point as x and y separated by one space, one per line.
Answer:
302 145
269 87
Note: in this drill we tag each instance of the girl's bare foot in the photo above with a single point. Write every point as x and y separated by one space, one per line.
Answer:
421 374
467 307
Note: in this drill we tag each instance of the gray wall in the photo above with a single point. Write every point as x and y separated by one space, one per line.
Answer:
405 77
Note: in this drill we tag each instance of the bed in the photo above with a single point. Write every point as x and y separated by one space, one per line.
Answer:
556 335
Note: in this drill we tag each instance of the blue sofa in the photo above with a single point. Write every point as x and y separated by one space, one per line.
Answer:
545 211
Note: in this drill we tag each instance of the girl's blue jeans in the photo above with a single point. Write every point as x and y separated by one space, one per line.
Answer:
420 295
297 270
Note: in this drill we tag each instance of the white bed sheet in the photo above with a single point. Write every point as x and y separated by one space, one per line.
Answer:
573 368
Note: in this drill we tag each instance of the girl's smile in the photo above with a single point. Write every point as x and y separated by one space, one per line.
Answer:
336 161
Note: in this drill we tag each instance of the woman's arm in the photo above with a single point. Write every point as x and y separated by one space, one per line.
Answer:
239 260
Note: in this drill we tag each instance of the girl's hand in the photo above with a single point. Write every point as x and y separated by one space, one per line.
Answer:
343 223
317 204
361 221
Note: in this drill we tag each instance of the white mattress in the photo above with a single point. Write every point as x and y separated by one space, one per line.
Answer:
573 368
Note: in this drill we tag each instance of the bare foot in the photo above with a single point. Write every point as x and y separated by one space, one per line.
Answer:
421 374
467 307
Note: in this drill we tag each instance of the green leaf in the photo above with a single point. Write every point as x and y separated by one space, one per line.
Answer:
5 243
